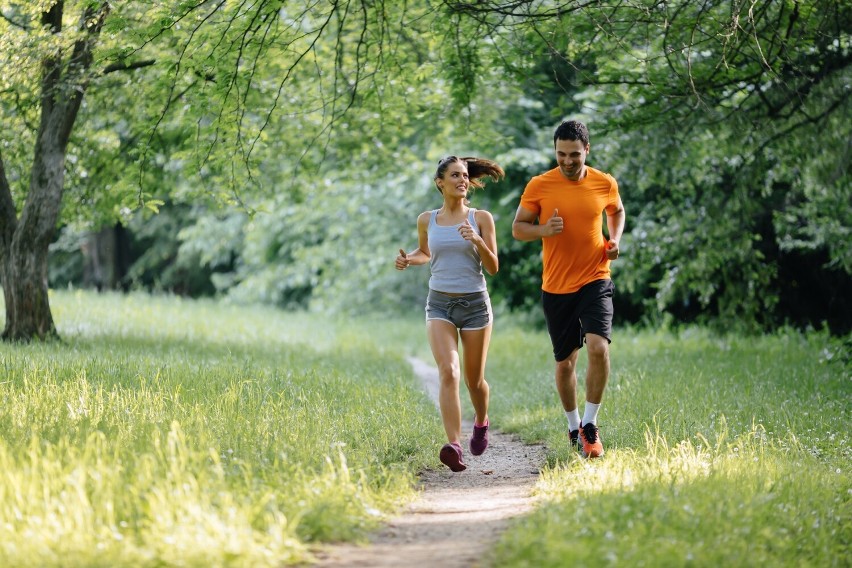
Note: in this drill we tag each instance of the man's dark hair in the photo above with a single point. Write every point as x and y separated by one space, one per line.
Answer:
572 130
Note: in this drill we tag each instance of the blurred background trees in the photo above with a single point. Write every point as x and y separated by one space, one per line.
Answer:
260 152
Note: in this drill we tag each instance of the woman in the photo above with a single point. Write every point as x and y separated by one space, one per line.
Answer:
458 242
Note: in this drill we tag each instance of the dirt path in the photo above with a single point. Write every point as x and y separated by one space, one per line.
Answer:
459 515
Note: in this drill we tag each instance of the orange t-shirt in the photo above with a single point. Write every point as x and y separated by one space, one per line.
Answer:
577 255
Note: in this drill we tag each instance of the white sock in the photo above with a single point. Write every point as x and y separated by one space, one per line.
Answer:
590 415
573 419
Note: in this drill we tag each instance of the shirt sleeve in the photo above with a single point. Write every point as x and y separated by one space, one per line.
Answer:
530 199
612 201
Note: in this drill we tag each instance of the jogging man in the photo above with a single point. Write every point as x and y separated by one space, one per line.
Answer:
564 208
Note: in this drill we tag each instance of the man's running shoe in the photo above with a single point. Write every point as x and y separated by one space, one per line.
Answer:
479 440
451 456
574 439
591 438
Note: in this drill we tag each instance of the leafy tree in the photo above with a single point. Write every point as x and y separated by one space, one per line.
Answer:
209 83
47 104
697 107
725 124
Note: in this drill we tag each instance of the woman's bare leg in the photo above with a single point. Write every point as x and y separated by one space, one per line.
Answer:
475 343
443 338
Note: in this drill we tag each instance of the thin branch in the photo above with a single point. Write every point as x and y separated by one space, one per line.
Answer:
13 23
170 97
840 102
128 66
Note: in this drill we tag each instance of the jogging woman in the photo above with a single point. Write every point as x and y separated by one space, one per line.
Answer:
458 242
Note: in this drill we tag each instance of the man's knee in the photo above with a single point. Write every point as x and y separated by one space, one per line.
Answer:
569 364
597 346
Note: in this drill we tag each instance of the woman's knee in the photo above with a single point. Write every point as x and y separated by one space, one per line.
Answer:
476 382
449 372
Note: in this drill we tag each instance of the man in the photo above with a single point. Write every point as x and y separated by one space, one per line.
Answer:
568 202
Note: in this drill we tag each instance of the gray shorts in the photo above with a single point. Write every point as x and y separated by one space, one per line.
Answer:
470 311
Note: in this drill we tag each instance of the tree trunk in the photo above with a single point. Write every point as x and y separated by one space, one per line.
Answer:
28 313
24 258
106 259
24 242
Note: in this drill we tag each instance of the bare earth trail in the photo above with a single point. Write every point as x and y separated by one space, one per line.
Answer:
458 515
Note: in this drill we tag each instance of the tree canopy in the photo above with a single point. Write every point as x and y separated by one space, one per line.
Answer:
724 122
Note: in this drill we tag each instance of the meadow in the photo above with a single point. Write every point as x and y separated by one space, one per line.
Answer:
161 431
721 451
169 432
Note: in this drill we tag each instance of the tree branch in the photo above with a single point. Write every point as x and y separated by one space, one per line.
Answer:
79 66
840 102
13 23
128 66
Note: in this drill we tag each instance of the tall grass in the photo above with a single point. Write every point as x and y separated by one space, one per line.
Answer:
192 433
721 451
163 432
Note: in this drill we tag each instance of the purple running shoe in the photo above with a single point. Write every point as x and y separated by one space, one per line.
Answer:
451 456
479 440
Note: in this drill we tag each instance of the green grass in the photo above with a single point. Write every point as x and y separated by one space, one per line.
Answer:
720 452
163 432
166 432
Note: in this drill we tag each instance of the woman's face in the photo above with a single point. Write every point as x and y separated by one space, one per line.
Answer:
455 180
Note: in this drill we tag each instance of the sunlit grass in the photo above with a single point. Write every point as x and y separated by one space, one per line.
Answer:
735 505
163 432
720 452
170 432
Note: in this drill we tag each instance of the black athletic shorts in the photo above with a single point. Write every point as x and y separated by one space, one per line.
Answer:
570 316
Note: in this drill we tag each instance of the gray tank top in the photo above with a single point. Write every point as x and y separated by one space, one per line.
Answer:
456 266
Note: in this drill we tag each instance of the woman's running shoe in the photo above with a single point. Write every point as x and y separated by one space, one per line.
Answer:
451 456
479 440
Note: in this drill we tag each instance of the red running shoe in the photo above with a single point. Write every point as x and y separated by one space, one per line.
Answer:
451 456
591 438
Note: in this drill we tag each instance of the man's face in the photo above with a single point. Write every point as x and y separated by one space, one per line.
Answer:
571 157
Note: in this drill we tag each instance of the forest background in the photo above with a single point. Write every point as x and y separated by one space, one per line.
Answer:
279 152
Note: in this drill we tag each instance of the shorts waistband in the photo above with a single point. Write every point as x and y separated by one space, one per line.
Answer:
470 296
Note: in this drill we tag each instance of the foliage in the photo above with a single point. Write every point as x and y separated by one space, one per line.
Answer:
723 122
161 264
713 117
